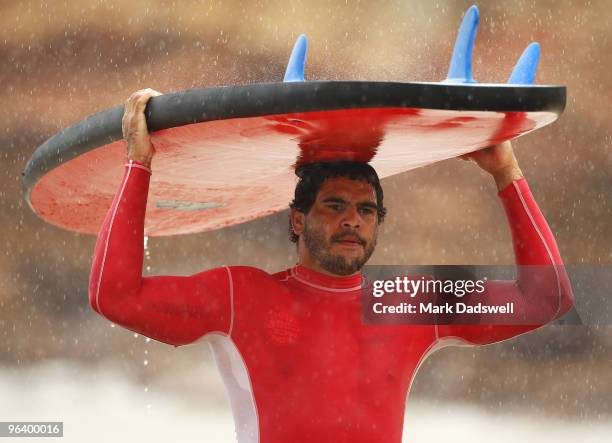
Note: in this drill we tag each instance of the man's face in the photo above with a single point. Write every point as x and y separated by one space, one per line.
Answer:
338 235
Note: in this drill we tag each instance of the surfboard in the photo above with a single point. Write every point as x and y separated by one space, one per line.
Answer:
228 155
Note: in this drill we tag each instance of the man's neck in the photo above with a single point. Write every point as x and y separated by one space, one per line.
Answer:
314 266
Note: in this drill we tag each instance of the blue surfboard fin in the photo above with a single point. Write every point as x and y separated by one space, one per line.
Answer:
297 61
460 69
525 70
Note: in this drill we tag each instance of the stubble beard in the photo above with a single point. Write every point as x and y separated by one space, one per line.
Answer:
319 247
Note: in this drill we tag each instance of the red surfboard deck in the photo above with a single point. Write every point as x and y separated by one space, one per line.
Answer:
223 171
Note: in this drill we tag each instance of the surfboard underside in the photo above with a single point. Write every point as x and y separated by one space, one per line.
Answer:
220 173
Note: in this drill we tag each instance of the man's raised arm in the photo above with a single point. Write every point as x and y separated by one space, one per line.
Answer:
172 309
542 291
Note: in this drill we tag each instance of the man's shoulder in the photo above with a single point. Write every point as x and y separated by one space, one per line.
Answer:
254 274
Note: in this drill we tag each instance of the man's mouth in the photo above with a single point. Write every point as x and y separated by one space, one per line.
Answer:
350 241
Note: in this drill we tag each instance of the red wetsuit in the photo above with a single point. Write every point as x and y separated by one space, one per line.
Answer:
298 363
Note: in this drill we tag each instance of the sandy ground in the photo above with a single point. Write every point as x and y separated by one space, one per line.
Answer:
103 404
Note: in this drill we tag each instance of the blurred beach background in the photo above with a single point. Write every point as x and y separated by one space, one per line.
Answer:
65 60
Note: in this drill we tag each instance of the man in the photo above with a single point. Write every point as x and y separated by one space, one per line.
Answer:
298 363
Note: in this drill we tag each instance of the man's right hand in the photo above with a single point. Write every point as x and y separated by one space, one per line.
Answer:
134 126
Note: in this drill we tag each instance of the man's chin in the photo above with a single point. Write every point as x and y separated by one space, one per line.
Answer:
343 264
349 254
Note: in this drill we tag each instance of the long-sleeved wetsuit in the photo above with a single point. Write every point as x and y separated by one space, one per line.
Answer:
297 361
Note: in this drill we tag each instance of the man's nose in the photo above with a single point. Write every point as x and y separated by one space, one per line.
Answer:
351 218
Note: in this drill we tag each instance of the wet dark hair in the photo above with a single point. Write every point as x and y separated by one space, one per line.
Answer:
313 175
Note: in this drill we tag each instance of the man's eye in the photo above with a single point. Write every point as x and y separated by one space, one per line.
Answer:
367 211
335 207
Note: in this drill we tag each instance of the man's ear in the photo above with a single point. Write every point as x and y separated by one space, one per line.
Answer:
297 221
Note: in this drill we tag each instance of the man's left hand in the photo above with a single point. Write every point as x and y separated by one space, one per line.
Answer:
499 161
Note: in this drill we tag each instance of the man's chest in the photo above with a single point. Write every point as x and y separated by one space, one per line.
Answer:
326 342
